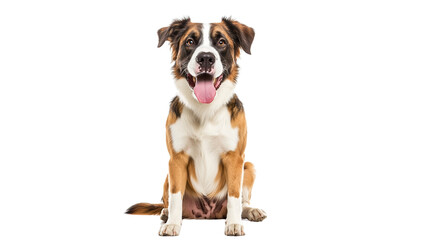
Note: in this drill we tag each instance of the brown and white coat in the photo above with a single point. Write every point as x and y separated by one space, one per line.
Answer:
206 130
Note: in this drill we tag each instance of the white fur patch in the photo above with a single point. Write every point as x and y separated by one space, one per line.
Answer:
204 132
234 211
175 209
246 198
201 110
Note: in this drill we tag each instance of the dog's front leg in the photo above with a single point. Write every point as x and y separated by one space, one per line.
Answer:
177 182
233 164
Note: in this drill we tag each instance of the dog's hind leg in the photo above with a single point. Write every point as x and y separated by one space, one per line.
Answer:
249 213
165 211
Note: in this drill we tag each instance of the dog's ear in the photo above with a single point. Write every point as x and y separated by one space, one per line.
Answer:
172 32
242 35
162 36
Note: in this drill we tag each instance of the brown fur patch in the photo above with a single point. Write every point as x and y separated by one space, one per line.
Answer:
233 75
233 164
145 209
248 180
165 197
178 173
238 119
176 108
191 174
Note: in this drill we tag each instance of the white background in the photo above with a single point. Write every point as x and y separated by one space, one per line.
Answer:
334 93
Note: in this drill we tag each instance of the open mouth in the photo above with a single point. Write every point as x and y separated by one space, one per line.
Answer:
204 86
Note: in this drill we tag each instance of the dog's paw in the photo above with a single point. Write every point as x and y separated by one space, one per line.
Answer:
234 230
253 214
164 214
169 230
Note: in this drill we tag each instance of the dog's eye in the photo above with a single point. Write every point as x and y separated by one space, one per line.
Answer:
221 42
190 42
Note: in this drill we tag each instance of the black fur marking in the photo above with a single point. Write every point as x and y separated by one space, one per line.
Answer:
200 205
164 218
242 35
219 205
176 106
173 32
235 106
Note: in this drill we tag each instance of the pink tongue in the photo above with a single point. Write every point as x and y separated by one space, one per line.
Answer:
204 91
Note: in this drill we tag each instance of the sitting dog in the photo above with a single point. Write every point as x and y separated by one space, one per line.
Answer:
206 129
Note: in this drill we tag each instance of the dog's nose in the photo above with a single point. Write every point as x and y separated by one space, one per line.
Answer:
206 60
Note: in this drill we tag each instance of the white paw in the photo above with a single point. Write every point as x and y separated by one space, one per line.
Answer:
234 230
169 230
253 214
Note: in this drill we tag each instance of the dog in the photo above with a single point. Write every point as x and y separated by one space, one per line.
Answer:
206 129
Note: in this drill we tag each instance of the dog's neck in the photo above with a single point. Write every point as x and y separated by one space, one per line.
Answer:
201 110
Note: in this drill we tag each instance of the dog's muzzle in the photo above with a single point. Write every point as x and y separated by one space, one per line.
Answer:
204 83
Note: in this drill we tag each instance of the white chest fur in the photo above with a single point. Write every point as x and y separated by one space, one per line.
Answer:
204 140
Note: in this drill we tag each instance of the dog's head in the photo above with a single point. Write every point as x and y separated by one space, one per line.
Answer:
205 54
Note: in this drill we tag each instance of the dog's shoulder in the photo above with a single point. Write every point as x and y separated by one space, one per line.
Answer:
235 107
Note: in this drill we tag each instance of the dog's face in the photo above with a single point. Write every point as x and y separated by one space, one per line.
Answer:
205 54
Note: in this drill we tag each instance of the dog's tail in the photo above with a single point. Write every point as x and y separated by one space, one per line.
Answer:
145 209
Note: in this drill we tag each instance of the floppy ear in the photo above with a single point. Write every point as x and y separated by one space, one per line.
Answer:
162 36
172 32
242 34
